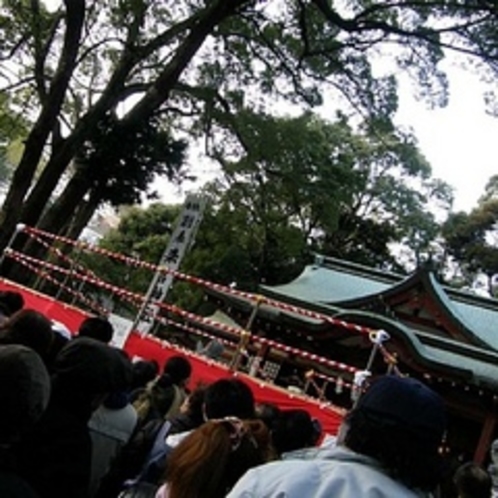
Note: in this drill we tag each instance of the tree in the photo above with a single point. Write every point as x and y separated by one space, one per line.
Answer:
290 189
12 128
471 239
141 233
115 166
193 60
350 194
303 185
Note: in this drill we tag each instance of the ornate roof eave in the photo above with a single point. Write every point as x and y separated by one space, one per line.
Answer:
409 342
434 290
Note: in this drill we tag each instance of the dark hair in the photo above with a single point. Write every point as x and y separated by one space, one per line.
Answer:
178 369
143 372
472 481
293 430
12 301
211 459
229 397
86 367
28 328
268 413
195 402
405 457
97 328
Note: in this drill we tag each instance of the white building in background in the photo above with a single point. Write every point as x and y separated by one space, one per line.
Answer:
105 219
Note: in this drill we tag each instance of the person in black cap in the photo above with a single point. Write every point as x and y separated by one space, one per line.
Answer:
390 449
55 456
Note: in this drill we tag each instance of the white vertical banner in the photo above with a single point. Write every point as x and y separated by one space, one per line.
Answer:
181 240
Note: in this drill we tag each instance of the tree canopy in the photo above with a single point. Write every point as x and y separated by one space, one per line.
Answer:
301 185
471 240
197 63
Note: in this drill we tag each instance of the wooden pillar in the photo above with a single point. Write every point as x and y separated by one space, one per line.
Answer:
484 444
245 336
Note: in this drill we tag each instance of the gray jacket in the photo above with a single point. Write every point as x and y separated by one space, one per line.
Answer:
337 473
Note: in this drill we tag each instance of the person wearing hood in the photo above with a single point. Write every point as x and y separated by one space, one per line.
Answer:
56 455
111 426
390 449
24 396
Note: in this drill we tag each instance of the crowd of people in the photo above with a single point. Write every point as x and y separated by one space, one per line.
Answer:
80 419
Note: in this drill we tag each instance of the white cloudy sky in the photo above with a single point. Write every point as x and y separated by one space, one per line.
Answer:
459 140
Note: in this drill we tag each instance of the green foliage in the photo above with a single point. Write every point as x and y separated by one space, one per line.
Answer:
471 239
141 233
198 65
121 162
303 185
298 185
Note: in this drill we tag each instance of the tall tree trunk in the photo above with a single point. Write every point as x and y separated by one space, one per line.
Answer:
158 93
83 216
54 220
45 122
59 215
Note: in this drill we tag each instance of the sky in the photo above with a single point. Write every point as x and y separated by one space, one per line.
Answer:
459 140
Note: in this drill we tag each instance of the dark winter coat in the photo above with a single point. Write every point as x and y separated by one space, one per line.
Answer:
56 456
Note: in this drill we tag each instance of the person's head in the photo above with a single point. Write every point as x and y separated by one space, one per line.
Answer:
400 422
29 328
472 481
144 371
193 405
11 302
97 328
179 369
24 391
268 413
87 370
293 430
229 398
212 458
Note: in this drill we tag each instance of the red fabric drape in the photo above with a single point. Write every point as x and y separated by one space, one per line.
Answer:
203 370
208 371
69 315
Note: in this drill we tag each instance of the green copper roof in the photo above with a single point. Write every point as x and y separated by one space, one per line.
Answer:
482 320
324 285
484 373
340 284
